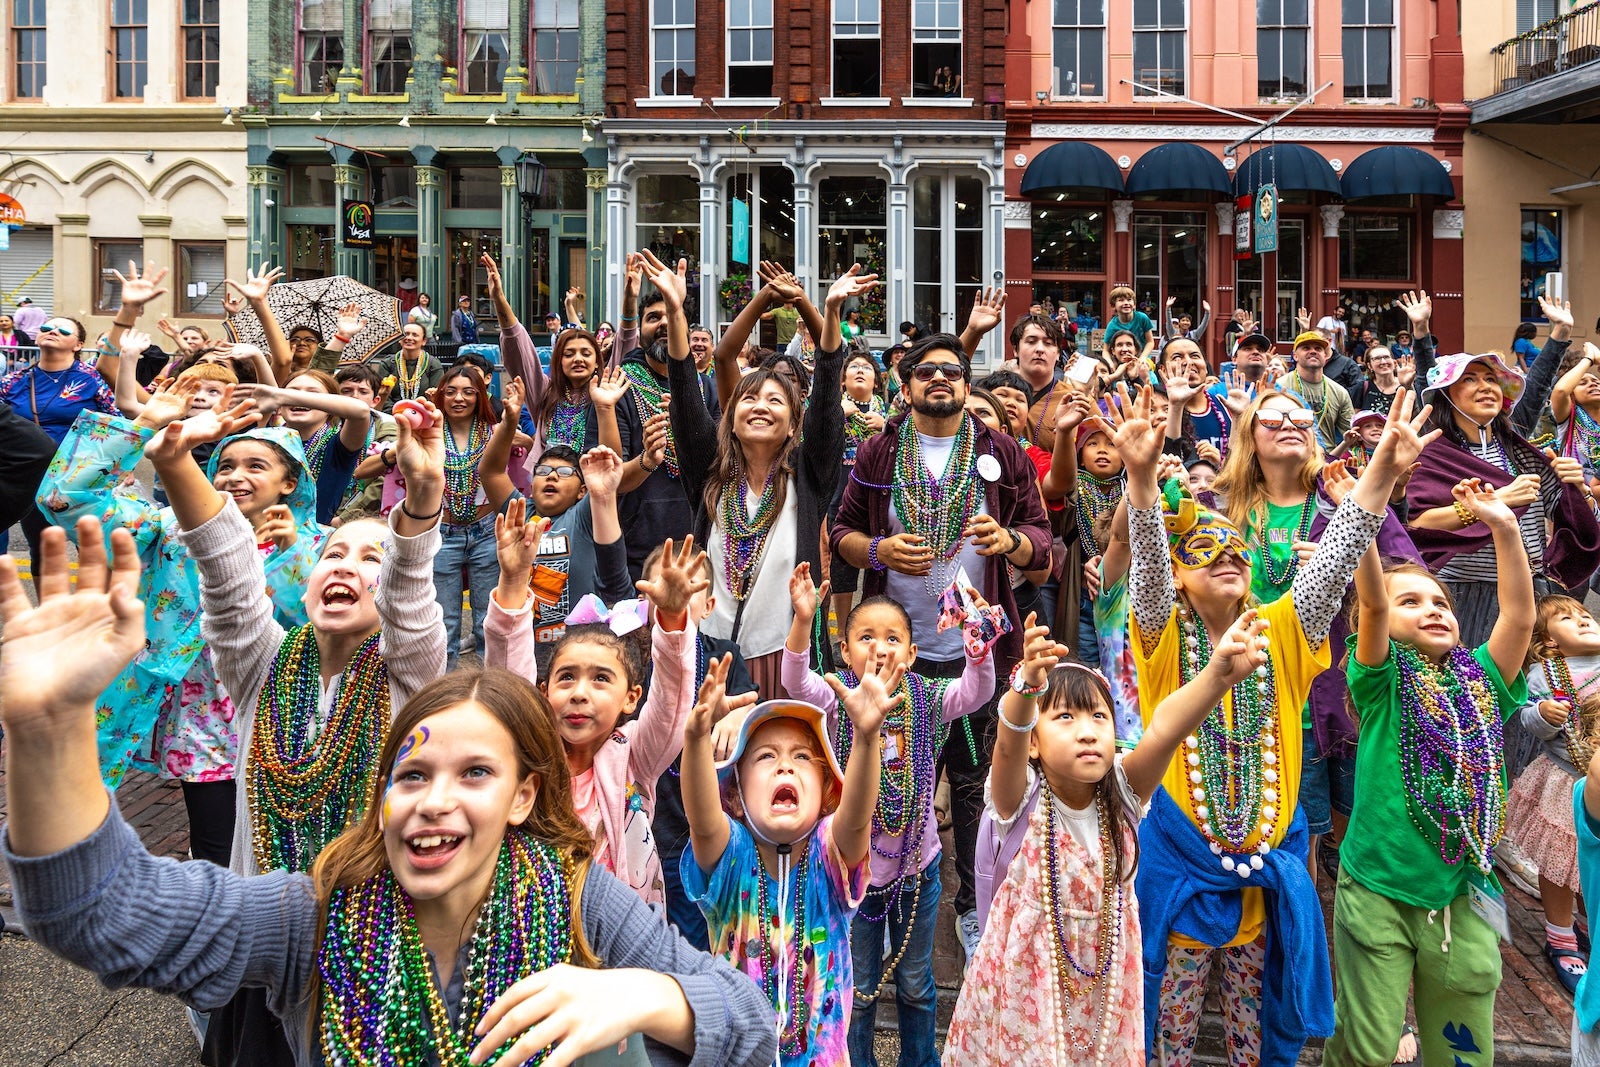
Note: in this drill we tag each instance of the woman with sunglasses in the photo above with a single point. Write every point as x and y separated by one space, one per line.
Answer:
1223 880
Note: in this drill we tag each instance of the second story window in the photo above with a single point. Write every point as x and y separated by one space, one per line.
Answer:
130 48
1283 30
202 48
671 47
1368 46
555 47
1160 46
321 45
27 49
1079 46
388 46
935 47
750 48
857 48
485 25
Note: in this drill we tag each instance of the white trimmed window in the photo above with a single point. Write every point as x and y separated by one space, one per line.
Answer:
857 48
750 48
1160 46
555 48
1079 48
936 48
1283 38
388 46
485 28
1368 45
672 47
321 45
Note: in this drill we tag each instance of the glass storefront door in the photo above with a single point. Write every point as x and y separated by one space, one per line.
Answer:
1169 262
1276 280
465 274
947 227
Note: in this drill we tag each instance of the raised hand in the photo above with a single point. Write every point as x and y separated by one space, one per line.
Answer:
608 387
350 321
1179 391
1241 650
713 693
602 471
1074 411
491 270
1418 306
1486 504
803 596
987 308
511 394
1040 652
655 439
201 428
268 399
1239 393
632 279
1557 313
1403 437
232 304
60 656
851 283
1170 466
137 290
1302 319
419 451
256 283
1208 452
1337 480
680 576
780 282
1566 468
133 344
1139 435
874 696
673 283
278 527
517 537
169 401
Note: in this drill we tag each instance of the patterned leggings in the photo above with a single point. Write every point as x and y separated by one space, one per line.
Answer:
1183 990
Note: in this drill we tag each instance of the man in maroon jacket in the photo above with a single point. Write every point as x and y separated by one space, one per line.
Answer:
935 493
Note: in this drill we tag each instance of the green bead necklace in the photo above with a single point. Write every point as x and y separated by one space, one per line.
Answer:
937 509
650 397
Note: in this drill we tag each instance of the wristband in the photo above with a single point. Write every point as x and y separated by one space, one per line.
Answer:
1464 514
647 469
1020 686
390 459
1025 728
872 556
342 339
423 518
1016 541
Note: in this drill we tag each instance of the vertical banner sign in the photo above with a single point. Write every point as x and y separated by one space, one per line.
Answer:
357 222
741 233
12 217
1241 226
1266 218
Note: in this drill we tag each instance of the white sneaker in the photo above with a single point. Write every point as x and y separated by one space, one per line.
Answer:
1515 865
199 1022
967 926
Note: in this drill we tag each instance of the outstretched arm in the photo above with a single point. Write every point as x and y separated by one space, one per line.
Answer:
1372 611
1019 714
866 704
702 797
497 485
1560 396
986 311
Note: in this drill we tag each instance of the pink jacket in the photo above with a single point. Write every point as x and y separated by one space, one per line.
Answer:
962 696
640 750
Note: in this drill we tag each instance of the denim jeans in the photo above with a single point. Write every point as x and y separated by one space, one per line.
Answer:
466 560
915 998
1088 638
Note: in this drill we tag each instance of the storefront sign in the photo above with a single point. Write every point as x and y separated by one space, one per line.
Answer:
1241 226
11 212
357 221
1266 218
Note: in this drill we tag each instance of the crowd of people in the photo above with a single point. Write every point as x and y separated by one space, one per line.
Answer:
653 661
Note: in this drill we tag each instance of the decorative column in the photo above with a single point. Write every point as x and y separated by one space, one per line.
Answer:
1018 264
158 246
348 181
263 205
431 251
1443 272
898 253
1222 271
513 234
618 236
1332 214
1122 247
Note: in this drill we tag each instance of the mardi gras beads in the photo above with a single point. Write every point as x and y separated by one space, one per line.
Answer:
1095 497
650 396
568 425
744 536
937 509
380 1003
786 992
316 448
1450 755
1558 674
461 472
1276 577
1232 761
305 785
1064 963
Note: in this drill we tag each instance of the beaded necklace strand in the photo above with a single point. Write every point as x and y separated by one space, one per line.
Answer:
305 785
568 424
937 509
380 1003
744 537
1068 971
1095 497
649 397
461 472
410 381
1232 765
316 448
1580 747
856 427
1451 742
785 992
1302 532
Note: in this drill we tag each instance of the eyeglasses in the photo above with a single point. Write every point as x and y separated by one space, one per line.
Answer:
64 331
924 372
1274 418
544 470
302 339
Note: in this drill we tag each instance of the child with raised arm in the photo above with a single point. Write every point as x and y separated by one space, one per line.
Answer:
1057 977
1418 902
779 840
593 688
904 888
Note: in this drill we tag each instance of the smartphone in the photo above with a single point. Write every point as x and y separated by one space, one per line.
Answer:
1082 370
1554 286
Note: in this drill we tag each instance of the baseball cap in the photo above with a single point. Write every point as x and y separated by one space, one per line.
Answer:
1255 340
1311 337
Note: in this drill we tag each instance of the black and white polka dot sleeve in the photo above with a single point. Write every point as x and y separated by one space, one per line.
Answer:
1151 593
1319 586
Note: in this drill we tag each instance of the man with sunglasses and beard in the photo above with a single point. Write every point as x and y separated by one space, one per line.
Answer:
935 494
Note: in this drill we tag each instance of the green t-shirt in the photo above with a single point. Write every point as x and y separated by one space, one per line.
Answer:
1277 545
1383 850
786 320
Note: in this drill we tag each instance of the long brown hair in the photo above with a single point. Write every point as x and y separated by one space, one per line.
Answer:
730 459
358 854
1241 481
1075 686
556 389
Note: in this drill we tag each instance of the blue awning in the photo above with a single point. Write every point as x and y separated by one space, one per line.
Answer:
1179 167
1396 170
1070 165
1295 168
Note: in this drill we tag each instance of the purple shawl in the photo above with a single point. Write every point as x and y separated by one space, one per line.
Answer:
1571 551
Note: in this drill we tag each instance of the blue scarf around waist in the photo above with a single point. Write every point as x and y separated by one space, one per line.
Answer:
1183 888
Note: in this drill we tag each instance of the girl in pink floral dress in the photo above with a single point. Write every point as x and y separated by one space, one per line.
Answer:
1058 975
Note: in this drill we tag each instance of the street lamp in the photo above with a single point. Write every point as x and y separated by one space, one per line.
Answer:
530 188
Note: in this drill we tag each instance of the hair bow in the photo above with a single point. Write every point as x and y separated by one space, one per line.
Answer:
623 618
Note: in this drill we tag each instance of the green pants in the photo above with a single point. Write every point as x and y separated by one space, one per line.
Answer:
1380 947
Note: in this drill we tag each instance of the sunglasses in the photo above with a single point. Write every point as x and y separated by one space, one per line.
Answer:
925 372
544 470
64 331
1274 418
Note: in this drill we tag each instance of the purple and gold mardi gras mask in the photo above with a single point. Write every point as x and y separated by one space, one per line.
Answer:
1206 542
